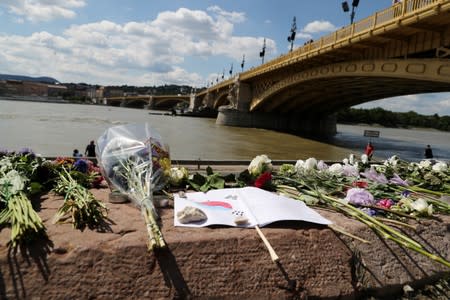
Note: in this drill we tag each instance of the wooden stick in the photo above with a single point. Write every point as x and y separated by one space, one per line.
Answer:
272 253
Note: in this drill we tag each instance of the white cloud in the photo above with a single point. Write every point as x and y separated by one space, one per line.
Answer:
43 10
425 104
234 17
319 27
140 53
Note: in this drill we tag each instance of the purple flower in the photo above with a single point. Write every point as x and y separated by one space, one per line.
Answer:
357 196
398 181
369 211
350 170
406 193
27 152
371 174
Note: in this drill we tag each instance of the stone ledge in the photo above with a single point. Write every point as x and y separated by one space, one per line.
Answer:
218 263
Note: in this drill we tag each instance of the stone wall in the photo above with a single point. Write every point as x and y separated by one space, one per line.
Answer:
310 125
112 262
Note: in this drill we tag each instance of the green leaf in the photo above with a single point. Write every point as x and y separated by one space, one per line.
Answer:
209 171
197 181
35 188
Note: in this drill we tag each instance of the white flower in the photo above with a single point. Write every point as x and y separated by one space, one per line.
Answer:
351 159
259 165
350 170
364 159
440 166
421 206
310 163
178 175
321 165
345 161
424 164
392 161
336 169
299 166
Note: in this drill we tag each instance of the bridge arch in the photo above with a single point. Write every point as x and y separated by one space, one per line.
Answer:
221 99
331 87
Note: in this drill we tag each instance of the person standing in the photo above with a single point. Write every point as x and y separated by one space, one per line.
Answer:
77 155
428 152
369 150
90 149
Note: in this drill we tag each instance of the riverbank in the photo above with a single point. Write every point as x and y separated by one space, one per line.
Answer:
205 263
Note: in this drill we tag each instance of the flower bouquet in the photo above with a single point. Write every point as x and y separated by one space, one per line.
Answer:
134 160
373 193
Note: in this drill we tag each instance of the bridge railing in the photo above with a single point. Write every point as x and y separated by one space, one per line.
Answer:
391 14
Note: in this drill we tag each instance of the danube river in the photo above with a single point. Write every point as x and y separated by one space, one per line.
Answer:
53 129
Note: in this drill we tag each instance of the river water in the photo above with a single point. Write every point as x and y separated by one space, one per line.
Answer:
54 129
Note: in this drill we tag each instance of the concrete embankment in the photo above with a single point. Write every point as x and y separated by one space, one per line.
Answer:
112 262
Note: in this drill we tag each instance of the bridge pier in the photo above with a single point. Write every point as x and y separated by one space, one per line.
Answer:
311 125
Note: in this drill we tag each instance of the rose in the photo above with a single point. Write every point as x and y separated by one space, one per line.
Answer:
178 175
385 203
360 184
264 180
259 165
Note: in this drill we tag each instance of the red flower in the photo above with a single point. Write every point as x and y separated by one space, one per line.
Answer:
360 184
263 180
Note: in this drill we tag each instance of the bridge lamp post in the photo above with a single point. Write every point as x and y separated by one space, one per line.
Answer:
263 51
291 37
242 63
346 8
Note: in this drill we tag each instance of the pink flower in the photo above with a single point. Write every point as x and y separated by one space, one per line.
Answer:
385 203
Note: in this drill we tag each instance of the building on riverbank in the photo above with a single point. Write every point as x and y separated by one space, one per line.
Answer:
30 88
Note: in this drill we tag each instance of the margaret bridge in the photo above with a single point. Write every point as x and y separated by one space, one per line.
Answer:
402 50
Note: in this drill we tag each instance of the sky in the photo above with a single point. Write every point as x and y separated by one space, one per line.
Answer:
157 42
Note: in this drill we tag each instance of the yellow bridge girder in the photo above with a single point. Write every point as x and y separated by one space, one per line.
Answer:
404 49
350 83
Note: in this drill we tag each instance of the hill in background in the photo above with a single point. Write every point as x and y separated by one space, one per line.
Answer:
48 80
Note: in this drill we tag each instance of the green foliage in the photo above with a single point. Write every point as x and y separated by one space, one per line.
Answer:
393 119
79 204
212 180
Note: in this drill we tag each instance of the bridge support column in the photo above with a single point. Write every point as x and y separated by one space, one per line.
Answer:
151 102
244 96
311 125
194 102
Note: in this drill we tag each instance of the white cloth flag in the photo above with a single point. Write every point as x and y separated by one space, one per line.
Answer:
260 207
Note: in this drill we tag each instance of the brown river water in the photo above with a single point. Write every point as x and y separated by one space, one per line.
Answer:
54 129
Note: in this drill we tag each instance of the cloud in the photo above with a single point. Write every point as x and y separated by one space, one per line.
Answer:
425 104
234 17
319 27
43 10
151 52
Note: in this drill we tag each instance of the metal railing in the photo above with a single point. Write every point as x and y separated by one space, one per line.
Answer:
390 15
